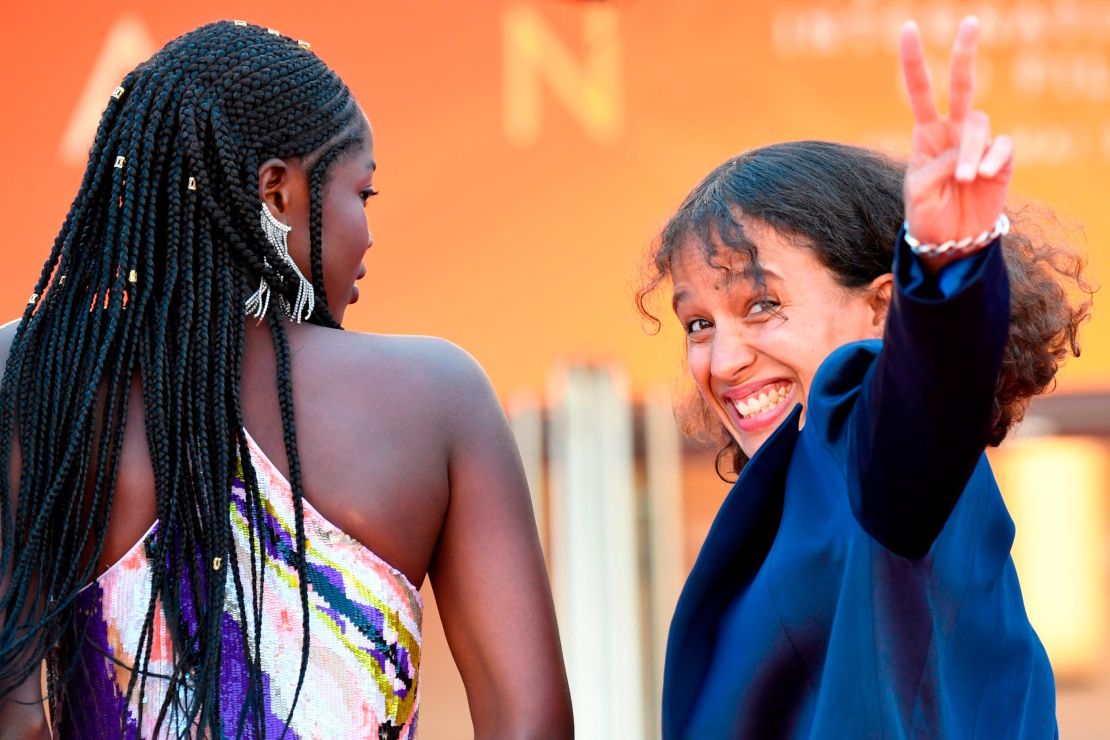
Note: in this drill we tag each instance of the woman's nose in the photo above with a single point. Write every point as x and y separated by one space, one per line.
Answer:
732 355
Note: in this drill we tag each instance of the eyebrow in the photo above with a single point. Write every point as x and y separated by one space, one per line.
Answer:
681 295
678 296
373 166
770 273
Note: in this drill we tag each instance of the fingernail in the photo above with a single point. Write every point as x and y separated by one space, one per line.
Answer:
965 172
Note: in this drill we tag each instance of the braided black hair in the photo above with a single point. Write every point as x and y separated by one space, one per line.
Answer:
148 278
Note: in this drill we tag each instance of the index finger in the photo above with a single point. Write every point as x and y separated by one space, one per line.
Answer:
962 83
916 73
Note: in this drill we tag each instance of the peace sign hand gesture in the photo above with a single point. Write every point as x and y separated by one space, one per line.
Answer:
957 179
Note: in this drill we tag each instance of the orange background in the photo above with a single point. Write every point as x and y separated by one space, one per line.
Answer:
529 254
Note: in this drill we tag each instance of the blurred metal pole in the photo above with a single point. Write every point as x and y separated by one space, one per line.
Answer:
665 533
525 413
594 550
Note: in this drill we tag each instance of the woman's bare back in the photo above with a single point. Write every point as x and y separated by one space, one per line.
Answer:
404 446
374 419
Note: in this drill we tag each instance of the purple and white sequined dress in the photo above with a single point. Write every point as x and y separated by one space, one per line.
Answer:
364 650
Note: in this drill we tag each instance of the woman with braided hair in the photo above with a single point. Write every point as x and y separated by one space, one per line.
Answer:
216 508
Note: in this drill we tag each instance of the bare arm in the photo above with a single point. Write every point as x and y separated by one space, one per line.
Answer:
21 711
489 576
22 716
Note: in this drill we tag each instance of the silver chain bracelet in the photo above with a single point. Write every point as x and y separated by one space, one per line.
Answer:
1001 227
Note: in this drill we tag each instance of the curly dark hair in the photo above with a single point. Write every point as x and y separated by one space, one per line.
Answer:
845 203
147 279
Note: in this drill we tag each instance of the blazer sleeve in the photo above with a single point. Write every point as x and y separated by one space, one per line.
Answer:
911 433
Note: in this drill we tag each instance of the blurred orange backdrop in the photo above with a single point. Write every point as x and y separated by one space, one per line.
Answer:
530 149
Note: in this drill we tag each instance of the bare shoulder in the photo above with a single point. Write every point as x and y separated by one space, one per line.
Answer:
420 381
449 364
421 364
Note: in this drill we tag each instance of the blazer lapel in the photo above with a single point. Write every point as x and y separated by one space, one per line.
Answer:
734 549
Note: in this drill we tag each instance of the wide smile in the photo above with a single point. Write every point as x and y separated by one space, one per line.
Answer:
760 407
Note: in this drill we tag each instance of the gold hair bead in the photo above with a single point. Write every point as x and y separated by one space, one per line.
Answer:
119 163
304 45
273 31
117 93
33 299
62 280
240 23
217 562
133 277
192 183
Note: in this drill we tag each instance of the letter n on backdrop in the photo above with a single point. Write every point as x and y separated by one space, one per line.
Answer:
589 89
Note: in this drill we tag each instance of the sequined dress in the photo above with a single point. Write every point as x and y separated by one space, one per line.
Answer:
364 649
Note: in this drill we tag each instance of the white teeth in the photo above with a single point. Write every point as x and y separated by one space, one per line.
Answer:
765 401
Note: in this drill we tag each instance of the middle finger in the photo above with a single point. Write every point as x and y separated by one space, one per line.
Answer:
962 81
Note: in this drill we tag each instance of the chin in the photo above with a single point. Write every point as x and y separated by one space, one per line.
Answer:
751 446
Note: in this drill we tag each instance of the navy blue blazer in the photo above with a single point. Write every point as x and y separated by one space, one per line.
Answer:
857 580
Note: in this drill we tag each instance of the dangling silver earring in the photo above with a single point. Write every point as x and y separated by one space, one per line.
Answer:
259 302
277 234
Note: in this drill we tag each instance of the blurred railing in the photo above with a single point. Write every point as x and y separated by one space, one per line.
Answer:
611 520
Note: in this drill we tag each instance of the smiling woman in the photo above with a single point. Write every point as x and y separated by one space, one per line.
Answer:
859 330
792 318
798 271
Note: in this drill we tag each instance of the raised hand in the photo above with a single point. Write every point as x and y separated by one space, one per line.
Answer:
958 177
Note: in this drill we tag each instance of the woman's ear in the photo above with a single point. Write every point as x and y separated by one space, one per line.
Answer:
273 184
878 300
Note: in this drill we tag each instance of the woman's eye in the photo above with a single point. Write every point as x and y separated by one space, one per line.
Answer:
761 307
696 325
367 194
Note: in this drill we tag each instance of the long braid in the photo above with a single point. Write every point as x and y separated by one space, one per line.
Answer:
316 179
285 399
146 281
